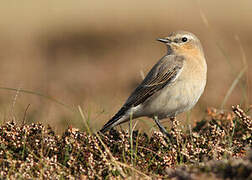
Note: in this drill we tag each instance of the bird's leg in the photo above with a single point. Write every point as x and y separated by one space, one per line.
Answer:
161 128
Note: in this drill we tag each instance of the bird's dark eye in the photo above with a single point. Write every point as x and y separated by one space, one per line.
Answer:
184 39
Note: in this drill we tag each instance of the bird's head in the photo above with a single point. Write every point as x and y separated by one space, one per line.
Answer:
182 42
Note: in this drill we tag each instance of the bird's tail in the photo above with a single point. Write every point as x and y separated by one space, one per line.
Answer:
118 118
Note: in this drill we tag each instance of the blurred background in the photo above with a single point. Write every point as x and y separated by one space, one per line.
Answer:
94 53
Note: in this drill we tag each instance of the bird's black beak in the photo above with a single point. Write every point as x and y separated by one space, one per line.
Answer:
164 40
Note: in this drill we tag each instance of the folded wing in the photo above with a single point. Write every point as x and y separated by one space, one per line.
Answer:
162 74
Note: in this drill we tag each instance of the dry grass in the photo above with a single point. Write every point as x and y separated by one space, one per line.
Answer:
216 146
94 54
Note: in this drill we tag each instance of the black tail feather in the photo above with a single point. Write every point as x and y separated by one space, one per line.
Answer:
112 122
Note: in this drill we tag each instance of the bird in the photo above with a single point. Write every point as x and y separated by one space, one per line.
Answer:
173 85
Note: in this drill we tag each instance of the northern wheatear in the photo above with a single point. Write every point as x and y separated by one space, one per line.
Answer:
173 85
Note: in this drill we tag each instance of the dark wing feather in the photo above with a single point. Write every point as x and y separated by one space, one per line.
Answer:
162 74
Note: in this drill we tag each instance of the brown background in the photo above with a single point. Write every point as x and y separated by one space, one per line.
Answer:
92 54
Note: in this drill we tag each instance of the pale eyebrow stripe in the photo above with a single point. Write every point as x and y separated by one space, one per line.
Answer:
188 36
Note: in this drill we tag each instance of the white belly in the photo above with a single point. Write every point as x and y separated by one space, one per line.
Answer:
172 100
